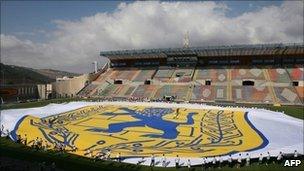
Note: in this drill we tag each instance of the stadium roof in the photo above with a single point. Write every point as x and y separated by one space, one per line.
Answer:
234 50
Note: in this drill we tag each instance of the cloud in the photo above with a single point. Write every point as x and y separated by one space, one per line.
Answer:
73 45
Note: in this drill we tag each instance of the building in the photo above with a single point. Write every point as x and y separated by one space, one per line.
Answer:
19 92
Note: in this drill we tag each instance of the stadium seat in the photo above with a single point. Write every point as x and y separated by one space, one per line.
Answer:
178 91
254 94
287 95
144 75
279 75
209 93
144 91
247 73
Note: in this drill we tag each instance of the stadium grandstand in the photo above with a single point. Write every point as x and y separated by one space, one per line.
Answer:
258 74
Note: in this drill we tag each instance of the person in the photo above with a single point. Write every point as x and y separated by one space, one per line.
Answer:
7 133
25 139
260 159
295 155
74 148
2 130
189 164
207 162
280 157
247 159
118 157
204 163
164 160
63 146
220 161
88 153
177 112
57 146
97 156
152 160
107 155
141 161
239 161
177 160
41 143
35 143
230 164
45 147
268 158
19 139
214 162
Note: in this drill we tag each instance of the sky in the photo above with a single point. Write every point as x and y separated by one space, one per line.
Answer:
68 35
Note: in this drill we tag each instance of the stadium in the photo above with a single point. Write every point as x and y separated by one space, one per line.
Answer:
191 105
114 85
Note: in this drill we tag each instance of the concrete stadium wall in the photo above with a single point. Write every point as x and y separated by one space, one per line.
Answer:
71 86
44 91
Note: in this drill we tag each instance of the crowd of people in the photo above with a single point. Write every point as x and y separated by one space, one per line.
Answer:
206 162
163 100
220 161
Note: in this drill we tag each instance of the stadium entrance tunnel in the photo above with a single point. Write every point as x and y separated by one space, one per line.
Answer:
208 82
295 83
248 83
117 81
148 82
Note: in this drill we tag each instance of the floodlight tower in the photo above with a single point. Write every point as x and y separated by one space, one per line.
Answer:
186 40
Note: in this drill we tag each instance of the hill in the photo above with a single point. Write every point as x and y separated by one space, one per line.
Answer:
11 74
53 74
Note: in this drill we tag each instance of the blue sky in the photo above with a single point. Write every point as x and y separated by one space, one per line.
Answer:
23 18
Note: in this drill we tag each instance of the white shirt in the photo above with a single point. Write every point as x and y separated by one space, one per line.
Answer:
229 159
295 154
221 160
239 159
261 158
189 163
214 160
268 156
248 158
164 161
279 156
177 159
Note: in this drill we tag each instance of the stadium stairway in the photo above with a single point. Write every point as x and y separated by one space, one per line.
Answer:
270 86
229 86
